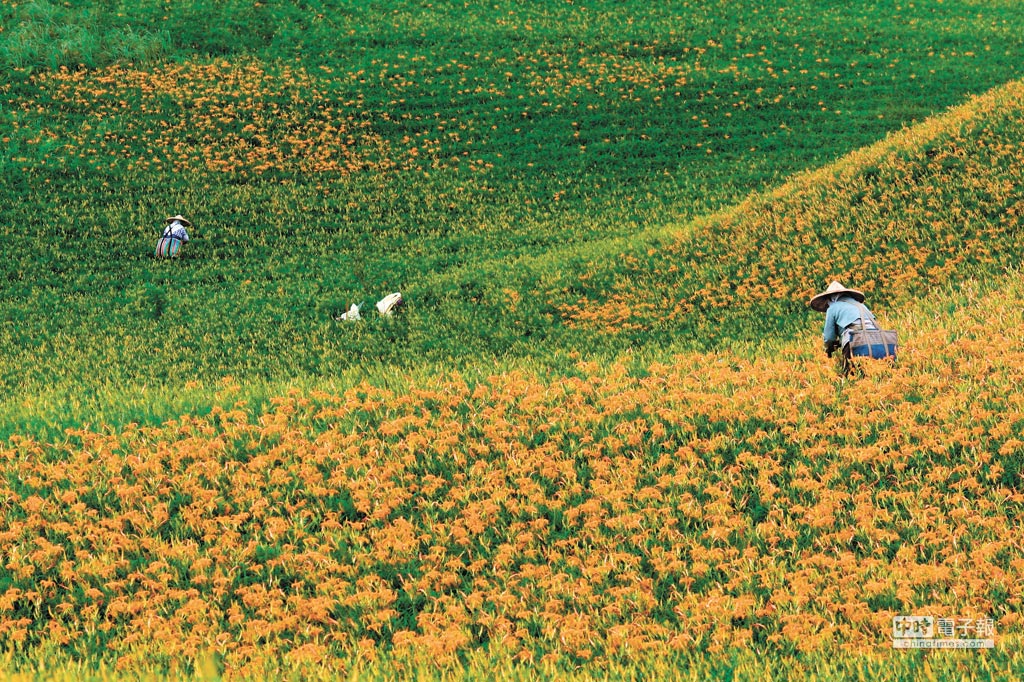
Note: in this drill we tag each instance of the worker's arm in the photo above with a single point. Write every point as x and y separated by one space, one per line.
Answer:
830 335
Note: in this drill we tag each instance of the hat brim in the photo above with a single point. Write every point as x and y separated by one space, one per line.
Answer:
181 219
820 302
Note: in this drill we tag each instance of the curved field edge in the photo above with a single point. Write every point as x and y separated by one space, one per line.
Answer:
698 503
930 206
647 98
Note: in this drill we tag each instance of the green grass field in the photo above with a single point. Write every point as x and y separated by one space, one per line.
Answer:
560 190
496 151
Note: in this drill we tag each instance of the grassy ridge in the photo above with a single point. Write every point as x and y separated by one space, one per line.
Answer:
902 218
437 159
926 208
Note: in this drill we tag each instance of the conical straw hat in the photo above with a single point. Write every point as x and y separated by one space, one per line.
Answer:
180 218
820 302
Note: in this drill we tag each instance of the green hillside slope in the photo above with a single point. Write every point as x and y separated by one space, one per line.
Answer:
933 205
928 208
333 153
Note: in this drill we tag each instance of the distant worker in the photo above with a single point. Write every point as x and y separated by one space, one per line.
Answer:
173 237
385 306
850 326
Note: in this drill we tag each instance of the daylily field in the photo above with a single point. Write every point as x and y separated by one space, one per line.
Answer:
599 439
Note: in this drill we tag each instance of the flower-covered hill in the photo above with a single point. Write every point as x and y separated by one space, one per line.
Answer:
660 461
929 206
699 502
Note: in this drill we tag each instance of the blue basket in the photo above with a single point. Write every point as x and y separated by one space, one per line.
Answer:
877 351
873 343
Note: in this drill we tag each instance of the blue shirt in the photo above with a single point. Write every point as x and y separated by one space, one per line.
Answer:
844 313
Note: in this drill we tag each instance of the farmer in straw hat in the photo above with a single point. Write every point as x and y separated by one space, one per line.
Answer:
173 237
844 310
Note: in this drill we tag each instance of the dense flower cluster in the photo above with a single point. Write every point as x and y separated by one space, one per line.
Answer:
702 503
220 117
